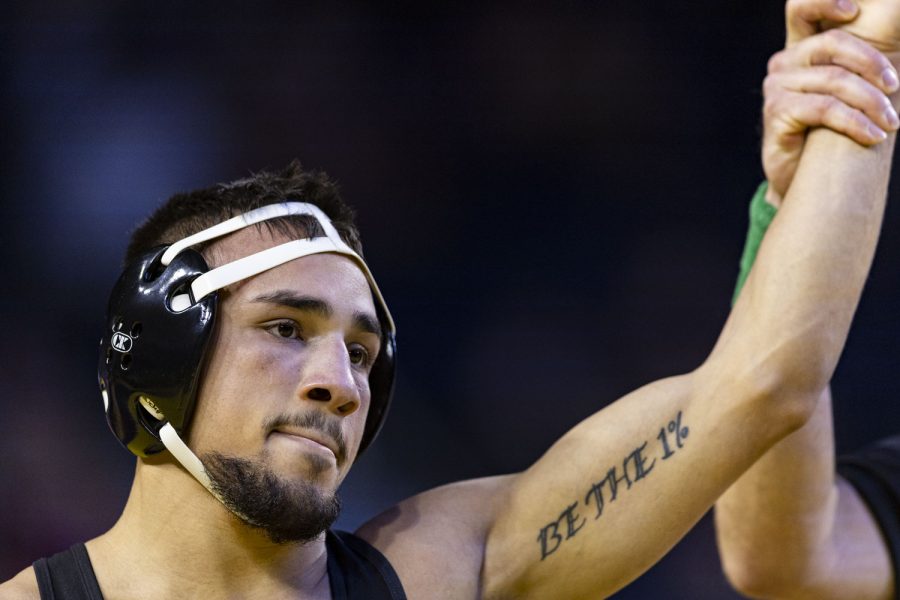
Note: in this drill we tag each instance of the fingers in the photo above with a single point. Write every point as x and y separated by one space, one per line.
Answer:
786 122
841 49
833 97
831 80
804 17
793 112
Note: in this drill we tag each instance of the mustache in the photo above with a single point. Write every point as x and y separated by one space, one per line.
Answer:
314 420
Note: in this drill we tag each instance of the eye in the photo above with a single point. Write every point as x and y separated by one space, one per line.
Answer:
358 356
285 329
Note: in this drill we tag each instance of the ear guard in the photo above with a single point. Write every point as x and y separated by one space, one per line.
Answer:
153 351
159 325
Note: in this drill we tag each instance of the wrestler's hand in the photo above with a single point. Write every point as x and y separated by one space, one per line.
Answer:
878 23
805 18
826 79
875 21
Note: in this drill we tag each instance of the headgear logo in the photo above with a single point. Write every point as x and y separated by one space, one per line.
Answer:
121 342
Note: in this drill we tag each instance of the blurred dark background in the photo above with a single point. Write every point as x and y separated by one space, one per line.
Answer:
552 194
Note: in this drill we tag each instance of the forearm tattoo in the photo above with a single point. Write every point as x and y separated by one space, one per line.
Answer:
636 465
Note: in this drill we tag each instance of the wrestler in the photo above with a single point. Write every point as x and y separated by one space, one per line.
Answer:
246 434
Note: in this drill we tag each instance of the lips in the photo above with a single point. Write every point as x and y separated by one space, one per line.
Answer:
311 436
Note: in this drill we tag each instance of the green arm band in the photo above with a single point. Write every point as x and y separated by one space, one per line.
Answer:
761 215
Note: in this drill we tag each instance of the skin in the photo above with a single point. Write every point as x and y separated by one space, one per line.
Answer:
539 533
789 527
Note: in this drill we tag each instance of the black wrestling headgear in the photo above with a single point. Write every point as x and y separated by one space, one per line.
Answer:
159 324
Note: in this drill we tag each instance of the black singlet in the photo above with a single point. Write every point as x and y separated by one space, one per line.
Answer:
356 571
875 473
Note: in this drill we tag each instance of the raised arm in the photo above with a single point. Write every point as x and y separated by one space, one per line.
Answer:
621 488
789 528
616 492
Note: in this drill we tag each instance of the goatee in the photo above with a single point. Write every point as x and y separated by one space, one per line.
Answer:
286 512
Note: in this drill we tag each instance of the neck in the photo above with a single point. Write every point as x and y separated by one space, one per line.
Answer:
174 539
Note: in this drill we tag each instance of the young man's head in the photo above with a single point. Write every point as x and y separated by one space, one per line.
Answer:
284 390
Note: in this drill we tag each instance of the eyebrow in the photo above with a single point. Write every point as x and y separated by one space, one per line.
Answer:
310 304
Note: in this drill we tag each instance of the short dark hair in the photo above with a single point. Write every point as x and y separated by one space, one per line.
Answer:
187 213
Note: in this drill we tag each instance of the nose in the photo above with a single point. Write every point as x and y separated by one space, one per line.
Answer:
327 377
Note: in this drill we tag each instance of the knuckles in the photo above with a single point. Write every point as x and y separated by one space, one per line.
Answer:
835 37
776 62
774 92
836 77
831 110
771 85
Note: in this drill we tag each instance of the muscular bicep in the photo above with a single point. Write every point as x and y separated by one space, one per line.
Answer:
619 490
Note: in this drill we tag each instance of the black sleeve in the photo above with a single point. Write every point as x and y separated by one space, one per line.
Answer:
875 473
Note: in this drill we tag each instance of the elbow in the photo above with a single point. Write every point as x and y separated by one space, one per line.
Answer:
796 372
780 396
751 576
770 407
763 558
744 581
790 399
804 380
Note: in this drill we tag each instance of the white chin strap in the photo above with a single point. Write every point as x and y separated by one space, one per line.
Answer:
177 448
244 268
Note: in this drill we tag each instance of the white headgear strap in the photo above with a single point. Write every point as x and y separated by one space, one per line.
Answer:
267 259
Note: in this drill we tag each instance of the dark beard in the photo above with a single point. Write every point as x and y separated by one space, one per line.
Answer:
285 512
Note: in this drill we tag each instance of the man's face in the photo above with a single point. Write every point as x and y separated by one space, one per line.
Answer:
286 388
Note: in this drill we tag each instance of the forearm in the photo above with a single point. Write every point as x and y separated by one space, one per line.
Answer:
788 327
776 523
773 524
790 529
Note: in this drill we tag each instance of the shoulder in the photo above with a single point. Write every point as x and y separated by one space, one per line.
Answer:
435 540
21 587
